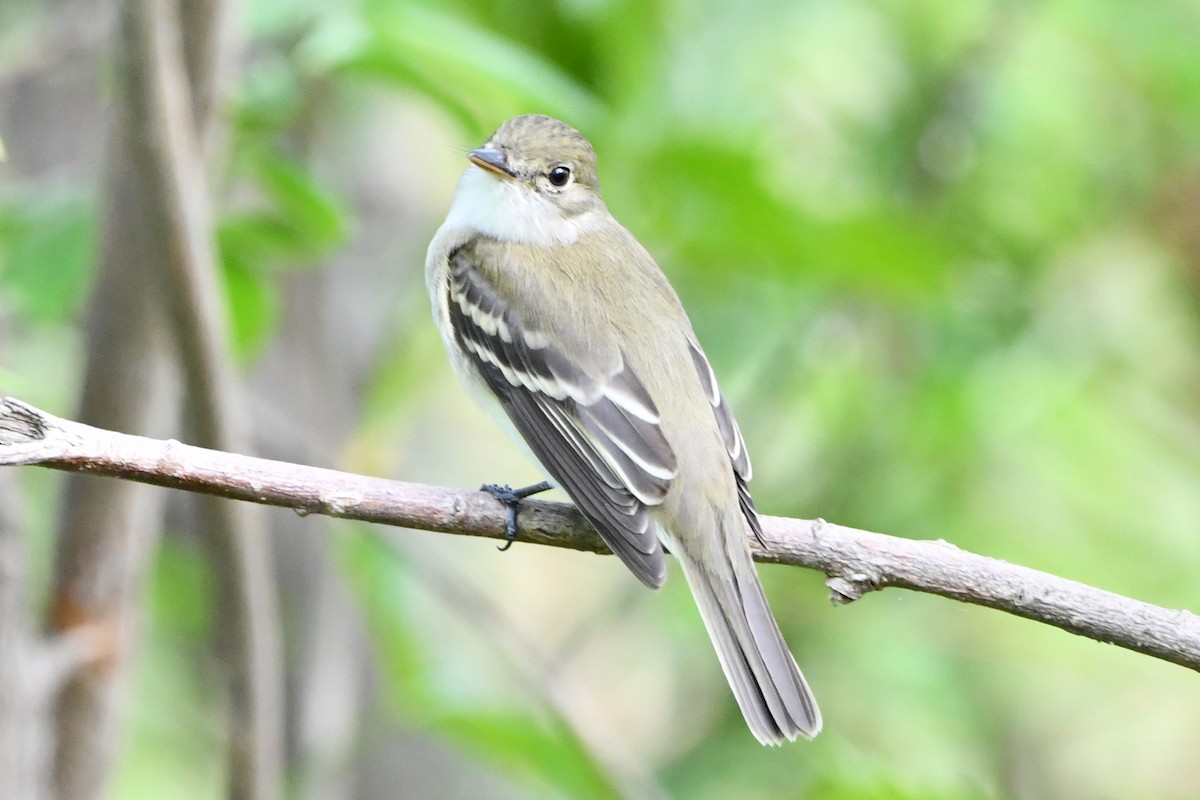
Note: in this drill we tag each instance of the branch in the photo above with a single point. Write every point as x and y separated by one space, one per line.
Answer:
856 561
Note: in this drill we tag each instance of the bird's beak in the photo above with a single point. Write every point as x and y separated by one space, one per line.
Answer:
492 160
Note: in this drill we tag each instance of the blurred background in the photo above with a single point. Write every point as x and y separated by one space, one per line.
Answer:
945 258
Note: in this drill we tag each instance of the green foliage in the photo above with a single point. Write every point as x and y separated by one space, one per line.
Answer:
525 748
513 740
280 214
46 245
439 55
296 222
173 749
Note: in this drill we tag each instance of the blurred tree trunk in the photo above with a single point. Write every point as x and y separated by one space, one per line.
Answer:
24 712
109 528
157 286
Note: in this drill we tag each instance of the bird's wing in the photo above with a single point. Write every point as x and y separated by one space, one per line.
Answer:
734 444
593 425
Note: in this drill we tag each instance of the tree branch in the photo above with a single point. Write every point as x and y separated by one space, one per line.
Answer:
856 561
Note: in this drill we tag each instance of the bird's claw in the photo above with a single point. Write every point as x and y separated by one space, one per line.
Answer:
511 499
506 496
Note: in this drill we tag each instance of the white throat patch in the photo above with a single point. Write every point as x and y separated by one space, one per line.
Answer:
507 211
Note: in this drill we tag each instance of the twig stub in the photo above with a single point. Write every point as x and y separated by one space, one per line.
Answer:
20 423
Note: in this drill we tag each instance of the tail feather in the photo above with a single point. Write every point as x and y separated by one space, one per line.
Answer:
767 683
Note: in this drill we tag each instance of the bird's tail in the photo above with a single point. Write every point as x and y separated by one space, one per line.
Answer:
770 690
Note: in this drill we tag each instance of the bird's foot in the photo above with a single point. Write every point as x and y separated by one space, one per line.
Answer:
511 499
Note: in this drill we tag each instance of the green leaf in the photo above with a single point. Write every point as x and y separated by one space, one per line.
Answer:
45 254
521 746
253 308
297 222
308 211
474 74
256 239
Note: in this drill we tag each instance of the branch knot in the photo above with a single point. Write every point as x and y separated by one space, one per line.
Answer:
850 586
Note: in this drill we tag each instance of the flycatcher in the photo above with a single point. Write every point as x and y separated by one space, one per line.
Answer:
557 320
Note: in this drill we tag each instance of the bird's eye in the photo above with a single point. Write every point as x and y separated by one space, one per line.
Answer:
559 176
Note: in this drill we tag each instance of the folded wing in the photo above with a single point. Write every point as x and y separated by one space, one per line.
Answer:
734 444
593 426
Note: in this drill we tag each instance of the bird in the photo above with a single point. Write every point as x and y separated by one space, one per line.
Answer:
560 323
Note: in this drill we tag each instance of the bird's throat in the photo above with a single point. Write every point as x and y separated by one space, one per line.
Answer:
508 211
